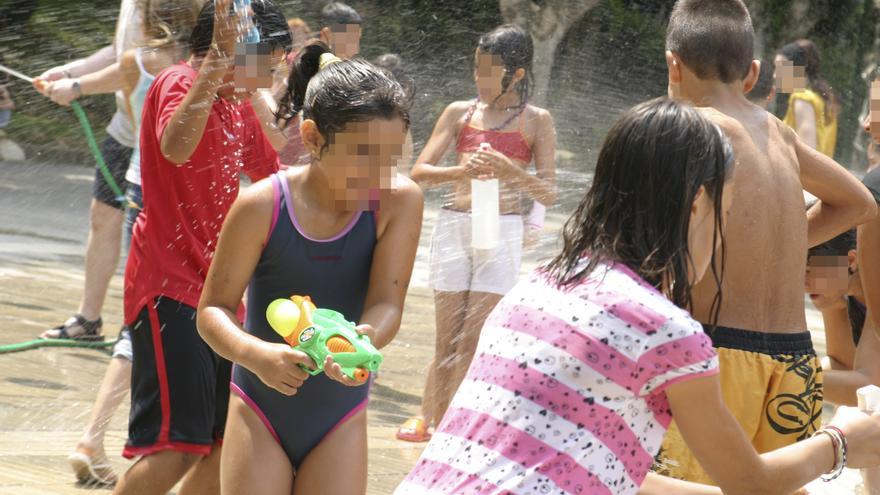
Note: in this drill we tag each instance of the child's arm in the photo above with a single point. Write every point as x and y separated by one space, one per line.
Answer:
391 270
425 171
237 254
869 270
706 423
94 62
840 386
843 201
106 80
838 331
805 122
656 484
187 124
264 106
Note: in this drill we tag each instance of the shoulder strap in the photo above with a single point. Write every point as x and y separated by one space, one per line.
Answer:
138 58
276 202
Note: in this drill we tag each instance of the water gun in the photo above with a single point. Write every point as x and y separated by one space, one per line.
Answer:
321 332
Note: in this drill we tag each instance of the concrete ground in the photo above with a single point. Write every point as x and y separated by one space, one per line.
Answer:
46 394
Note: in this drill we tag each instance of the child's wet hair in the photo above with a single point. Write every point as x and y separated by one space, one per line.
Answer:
340 93
338 13
268 18
514 46
839 246
394 64
637 212
168 22
714 38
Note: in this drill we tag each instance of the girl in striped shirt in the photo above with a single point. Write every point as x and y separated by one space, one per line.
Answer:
581 367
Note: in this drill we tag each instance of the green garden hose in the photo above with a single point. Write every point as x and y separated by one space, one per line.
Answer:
37 343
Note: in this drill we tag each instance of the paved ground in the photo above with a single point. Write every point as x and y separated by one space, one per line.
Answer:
46 394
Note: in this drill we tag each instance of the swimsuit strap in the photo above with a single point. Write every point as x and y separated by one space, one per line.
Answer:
138 58
470 113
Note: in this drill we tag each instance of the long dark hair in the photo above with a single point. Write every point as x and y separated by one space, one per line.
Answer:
804 53
514 46
342 92
637 212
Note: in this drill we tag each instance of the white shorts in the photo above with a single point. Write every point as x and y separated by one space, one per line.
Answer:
456 267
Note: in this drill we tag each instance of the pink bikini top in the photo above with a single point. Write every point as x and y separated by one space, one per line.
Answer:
512 144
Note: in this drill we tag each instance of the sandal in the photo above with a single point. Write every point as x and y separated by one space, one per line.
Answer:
414 429
90 470
91 330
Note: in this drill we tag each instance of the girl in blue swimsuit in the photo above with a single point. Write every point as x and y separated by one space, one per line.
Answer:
342 230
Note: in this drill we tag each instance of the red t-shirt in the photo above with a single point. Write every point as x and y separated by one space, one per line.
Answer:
185 205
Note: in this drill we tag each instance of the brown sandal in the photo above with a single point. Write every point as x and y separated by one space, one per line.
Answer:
91 330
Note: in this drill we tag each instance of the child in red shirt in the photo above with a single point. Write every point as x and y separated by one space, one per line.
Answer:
197 134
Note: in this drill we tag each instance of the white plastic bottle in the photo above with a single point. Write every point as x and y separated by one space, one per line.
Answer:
485 212
869 402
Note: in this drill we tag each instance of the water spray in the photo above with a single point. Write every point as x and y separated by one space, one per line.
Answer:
87 129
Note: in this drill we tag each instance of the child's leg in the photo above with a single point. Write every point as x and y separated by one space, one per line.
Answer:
252 460
339 463
117 381
204 477
155 474
480 304
448 309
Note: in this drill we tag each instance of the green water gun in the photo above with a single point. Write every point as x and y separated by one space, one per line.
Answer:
321 332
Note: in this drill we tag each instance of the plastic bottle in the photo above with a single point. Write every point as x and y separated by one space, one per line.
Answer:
246 24
869 402
485 212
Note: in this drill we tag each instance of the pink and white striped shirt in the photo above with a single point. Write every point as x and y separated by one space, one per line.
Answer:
565 394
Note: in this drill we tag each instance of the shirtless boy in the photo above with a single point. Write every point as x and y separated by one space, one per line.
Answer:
770 375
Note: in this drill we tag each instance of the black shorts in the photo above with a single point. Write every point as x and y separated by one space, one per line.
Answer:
179 386
117 157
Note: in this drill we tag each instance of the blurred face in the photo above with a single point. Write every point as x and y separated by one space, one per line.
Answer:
489 75
789 77
830 278
255 66
872 121
345 40
361 163
701 232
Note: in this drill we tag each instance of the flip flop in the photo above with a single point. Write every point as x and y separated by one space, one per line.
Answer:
88 472
414 429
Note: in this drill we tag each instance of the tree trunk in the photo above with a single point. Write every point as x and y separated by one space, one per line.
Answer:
547 22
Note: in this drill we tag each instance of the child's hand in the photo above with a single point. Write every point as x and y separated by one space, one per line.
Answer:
475 169
503 167
278 368
62 91
53 74
225 27
862 436
333 370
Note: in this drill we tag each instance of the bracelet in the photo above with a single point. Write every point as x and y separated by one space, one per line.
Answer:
844 448
67 73
838 443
